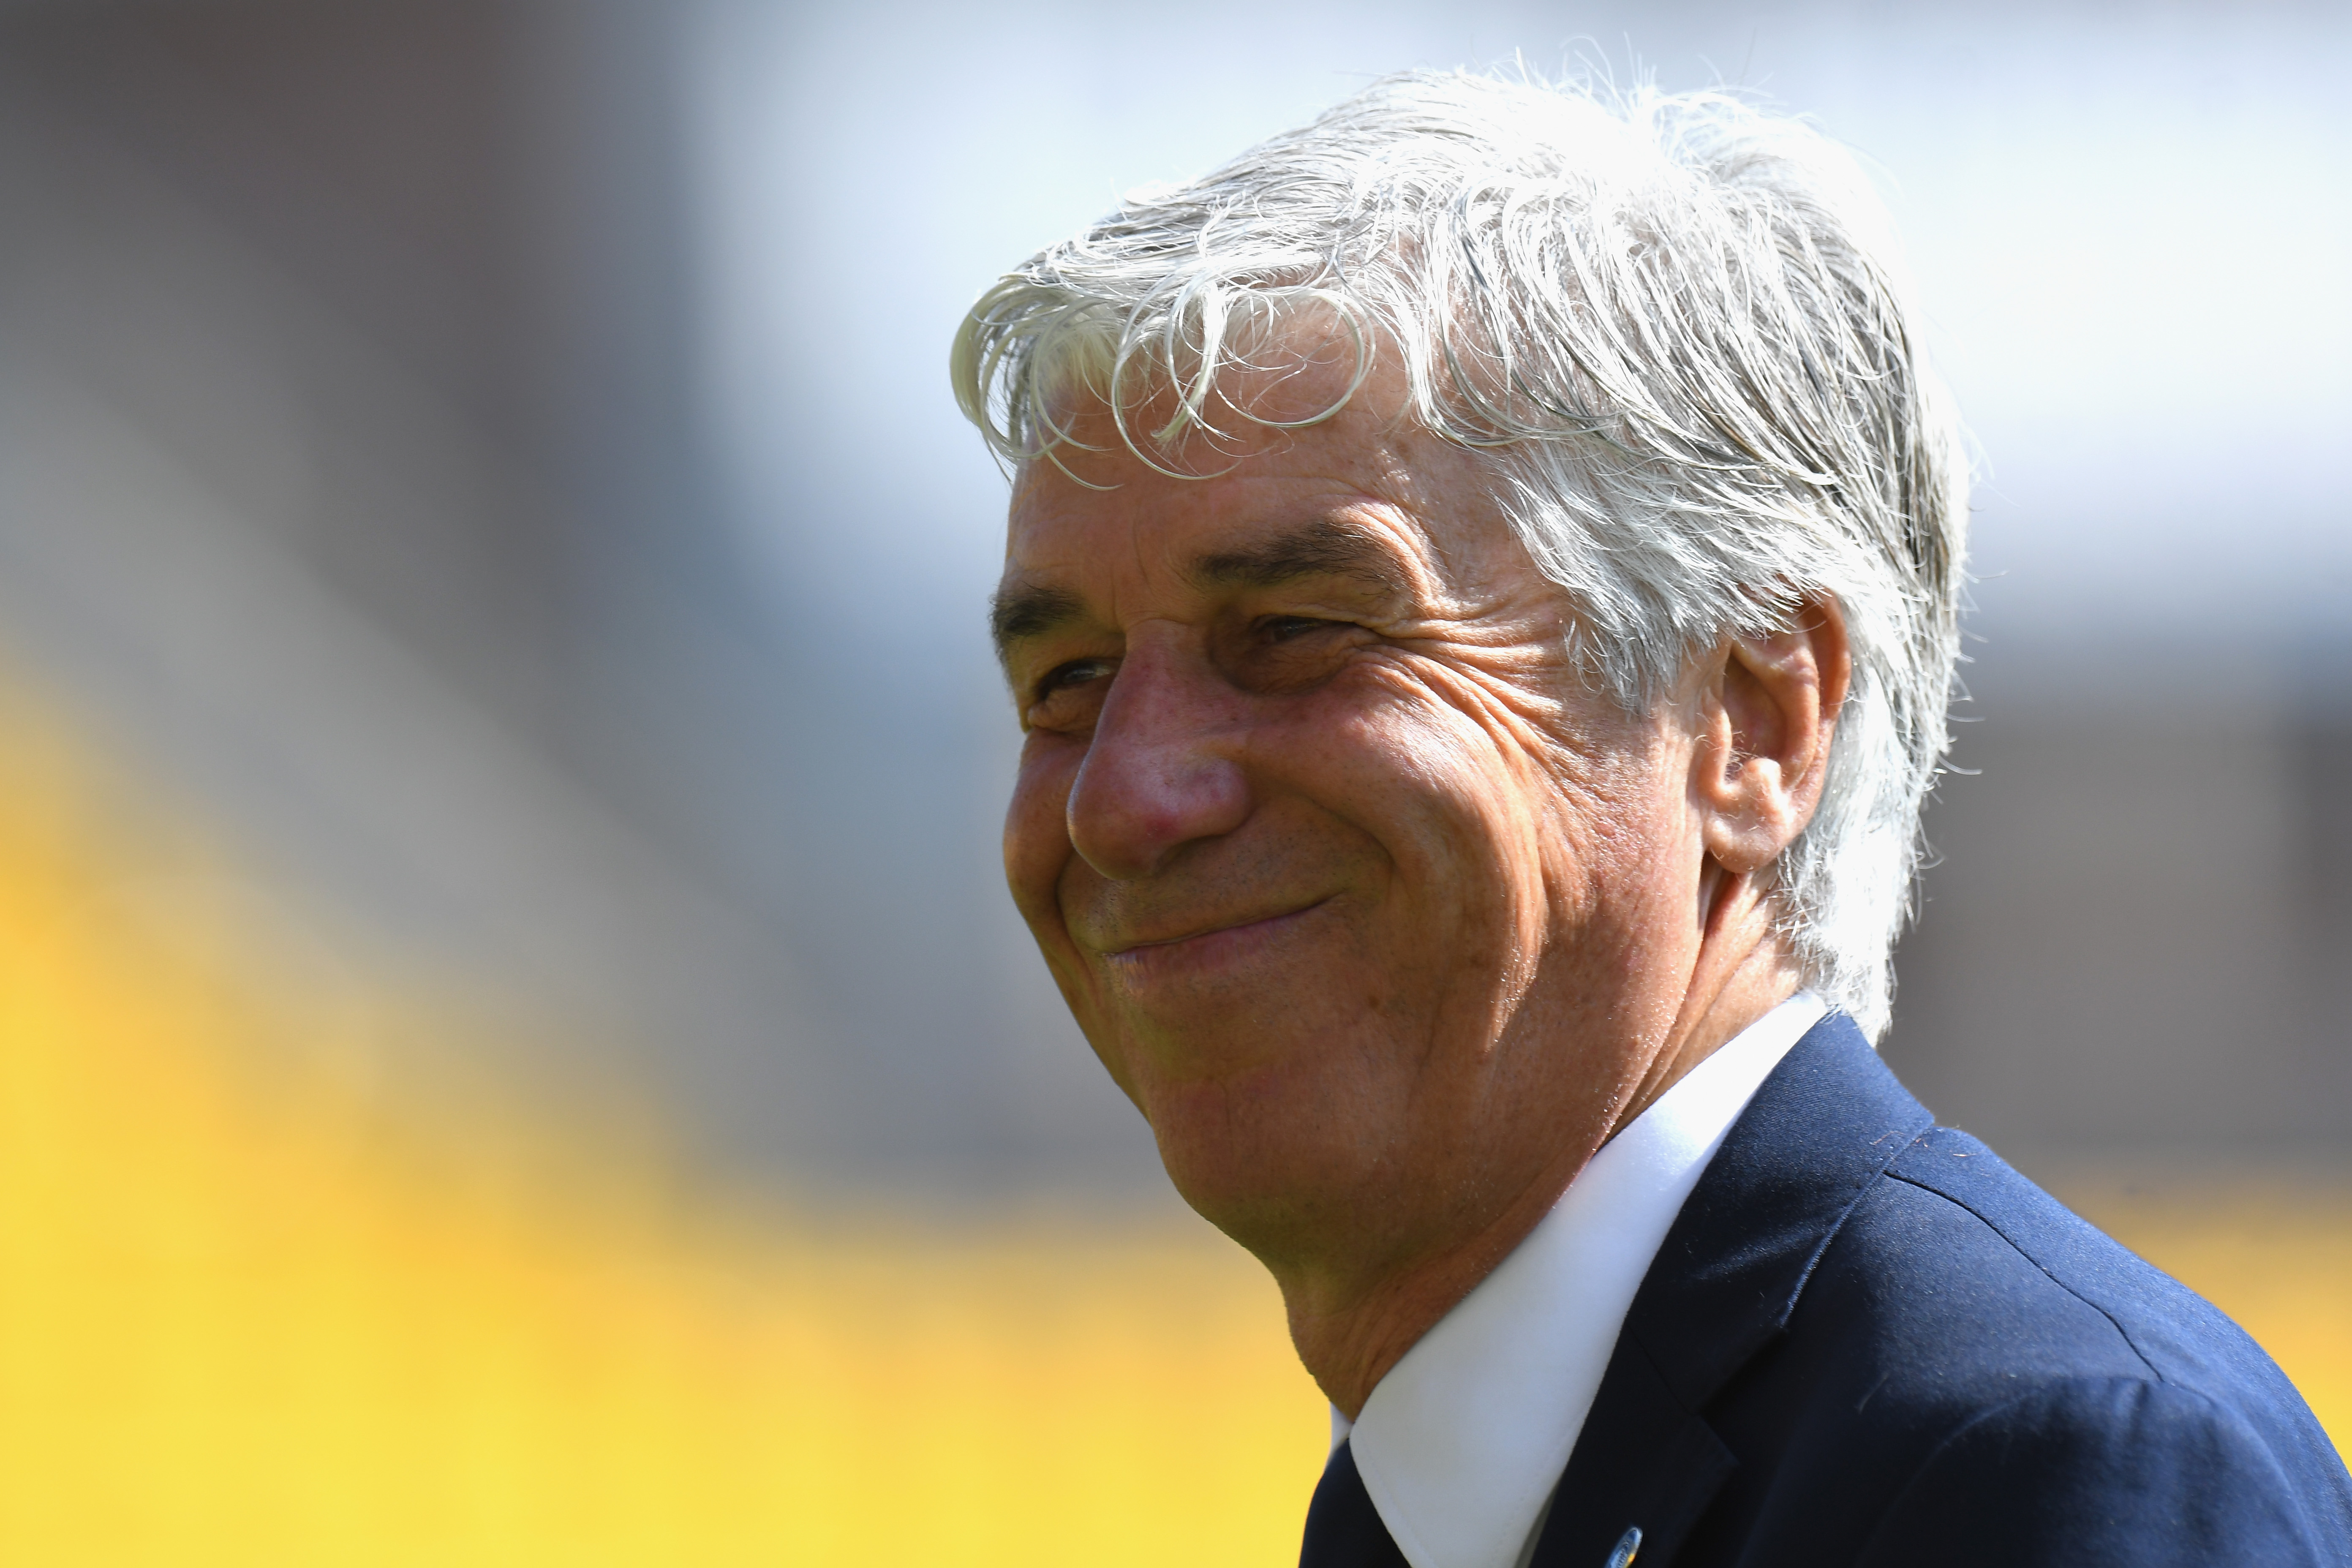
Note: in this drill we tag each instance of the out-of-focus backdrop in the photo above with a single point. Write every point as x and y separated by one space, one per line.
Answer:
512 1047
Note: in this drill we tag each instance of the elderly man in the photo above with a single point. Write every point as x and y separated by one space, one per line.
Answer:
1481 601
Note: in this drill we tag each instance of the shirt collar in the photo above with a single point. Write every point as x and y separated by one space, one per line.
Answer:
1462 1443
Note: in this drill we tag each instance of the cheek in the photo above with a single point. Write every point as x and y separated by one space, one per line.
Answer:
1036 826
1457 803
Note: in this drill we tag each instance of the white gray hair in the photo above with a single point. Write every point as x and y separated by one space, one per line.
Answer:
1678 324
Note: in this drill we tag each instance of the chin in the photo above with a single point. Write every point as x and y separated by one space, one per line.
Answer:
1260 1153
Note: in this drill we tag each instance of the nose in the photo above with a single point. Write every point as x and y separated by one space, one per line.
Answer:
1160 772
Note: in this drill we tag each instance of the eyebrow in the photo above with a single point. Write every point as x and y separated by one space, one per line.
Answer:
1027 610
1323 548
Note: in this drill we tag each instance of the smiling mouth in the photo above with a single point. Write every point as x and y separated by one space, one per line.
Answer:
1241 933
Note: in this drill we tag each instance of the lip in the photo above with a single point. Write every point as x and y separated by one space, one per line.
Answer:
1216 944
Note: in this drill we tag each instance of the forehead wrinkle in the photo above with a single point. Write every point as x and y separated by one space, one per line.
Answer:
1402 564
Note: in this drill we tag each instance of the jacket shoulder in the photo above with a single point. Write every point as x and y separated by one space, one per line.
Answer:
2083 1471
1868 1339
1969 1346
2183 1341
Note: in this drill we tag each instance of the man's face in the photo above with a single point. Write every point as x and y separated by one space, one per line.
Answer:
1353 884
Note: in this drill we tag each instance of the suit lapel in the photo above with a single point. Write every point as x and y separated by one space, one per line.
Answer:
1825 1124
1643 1462
1343 1529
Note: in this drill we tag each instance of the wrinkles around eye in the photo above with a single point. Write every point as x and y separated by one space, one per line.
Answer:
1063 695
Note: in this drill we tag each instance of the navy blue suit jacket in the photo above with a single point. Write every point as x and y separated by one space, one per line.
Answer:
1868 1341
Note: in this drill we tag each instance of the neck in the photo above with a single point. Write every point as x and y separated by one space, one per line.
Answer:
1351 1322
1350 1330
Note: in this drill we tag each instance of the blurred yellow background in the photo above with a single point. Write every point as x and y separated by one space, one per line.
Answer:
261 1304
267 1295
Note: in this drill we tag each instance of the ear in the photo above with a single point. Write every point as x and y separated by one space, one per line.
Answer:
1766 711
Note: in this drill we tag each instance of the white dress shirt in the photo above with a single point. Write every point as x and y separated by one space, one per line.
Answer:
1462 1444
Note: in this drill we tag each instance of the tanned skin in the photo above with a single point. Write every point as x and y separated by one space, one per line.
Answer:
1383 915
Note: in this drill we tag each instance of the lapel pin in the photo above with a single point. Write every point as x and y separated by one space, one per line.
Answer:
1627 1545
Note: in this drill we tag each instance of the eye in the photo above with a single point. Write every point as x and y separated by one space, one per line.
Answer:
1066 698
1282 653
1067 677
1287 629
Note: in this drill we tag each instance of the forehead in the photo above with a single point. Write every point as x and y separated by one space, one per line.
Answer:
1103 516
1152 527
